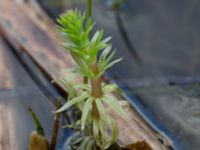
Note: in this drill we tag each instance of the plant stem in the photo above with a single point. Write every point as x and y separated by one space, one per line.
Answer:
96 90
55 127
96 83
89 8
85 80
89 14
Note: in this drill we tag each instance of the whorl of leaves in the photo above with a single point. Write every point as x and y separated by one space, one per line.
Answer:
76 30
87 49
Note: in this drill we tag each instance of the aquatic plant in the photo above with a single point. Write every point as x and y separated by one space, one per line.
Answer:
93 56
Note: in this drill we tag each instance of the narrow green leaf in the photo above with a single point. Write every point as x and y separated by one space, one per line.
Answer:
106 51
90 144
95 130
110 88
100 107
85 112
110 56
77 139
124 103
72 102
67 86
95 36
84 144
73 125
107 39
83 86
114 129
113 103
113 63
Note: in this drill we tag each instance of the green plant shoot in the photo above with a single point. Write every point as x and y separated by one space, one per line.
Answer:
93 56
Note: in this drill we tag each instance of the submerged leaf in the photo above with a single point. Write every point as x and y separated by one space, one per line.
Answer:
73 125
110 88
84 143
95 130
100 107
86 109
114 104
107 132
90 144
72 102
114 130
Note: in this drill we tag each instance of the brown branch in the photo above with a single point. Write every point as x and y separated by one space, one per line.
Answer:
55 127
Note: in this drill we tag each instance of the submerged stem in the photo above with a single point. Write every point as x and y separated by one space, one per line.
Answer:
96 83
96 90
